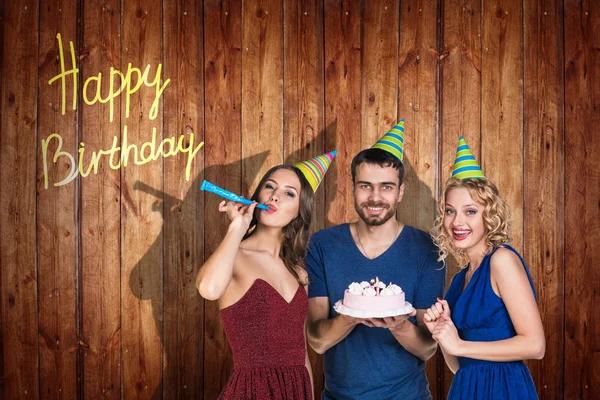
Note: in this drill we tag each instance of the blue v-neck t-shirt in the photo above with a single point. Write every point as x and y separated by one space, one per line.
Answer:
370 361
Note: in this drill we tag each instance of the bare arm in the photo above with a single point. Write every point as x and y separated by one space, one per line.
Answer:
451 361
216 273
433 317
510 280
324 333
415 338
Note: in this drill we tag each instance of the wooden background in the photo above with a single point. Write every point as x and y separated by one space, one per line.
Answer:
97 276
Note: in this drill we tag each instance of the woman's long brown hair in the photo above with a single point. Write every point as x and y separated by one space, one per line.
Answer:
296 233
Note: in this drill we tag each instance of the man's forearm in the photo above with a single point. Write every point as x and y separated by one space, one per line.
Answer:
325 333
416 341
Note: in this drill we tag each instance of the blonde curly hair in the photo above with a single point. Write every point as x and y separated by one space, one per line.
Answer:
496 217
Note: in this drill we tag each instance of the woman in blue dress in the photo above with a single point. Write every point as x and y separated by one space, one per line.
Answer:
489 321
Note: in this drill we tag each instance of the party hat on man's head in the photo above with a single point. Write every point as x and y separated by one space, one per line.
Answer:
393 141
314 170
465 165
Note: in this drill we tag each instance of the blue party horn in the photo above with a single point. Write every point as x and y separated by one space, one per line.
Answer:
210 187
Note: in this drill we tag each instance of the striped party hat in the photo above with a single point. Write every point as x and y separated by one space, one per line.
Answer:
314 170
393 141
465 165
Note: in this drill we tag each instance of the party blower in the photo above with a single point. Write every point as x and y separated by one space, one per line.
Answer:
210 187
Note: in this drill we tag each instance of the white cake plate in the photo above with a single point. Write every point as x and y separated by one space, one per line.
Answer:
352 312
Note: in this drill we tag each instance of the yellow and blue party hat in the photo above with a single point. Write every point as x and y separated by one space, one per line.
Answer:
314 170
465 165
393 141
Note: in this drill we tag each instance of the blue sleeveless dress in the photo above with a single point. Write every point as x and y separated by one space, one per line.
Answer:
481 316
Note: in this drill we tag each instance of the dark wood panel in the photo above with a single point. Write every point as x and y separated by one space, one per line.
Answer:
18 147
183 207
502 105
460 91
379 70
582 198
418 73
101 209
418 105
142 266
304 107
543 156
342 103
57 206
223 99
262 88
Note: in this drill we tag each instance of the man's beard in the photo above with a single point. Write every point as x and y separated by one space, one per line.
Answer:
374 220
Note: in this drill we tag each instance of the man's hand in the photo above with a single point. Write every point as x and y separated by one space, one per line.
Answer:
394 324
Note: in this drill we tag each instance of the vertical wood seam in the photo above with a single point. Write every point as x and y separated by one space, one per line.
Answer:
35 209
438 120
79 364
164 231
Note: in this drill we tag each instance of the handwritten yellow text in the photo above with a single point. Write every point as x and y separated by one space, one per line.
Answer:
118 156
125 84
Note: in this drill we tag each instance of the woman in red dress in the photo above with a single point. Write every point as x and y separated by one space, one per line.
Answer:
258 277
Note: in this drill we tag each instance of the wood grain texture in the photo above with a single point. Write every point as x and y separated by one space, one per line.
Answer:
96 290
262 87
304 108
502 106
223 94
183 206
460 91
19 88
582 199
342 103
57 209
544 184
418 73
100 235
379 70
141 263
418 105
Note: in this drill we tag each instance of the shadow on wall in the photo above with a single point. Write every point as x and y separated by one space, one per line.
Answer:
418 206
188 262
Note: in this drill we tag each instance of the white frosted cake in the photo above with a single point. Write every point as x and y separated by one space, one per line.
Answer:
374 296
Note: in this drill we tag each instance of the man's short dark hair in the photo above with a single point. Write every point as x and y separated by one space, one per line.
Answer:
378 157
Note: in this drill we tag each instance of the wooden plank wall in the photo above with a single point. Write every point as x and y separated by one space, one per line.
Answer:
97 275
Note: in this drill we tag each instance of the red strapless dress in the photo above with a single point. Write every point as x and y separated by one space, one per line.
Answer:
266 335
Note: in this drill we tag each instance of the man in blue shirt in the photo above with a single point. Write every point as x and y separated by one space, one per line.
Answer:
377 358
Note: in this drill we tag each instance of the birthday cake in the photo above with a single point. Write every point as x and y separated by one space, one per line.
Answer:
373 296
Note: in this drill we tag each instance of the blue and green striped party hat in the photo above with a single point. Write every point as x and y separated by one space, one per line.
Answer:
465 165
393 141
314 170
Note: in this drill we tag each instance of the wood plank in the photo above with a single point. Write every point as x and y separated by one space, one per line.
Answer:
183 203
582 179
222 109
304 108
262 87
101 210
57 207
460 91
141 262
418 104
502 102
544 162
1 201
342 104
18 147
379 70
